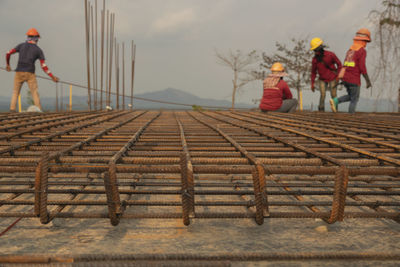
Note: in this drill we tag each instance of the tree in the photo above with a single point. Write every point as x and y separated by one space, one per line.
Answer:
241 64
386 42
297 62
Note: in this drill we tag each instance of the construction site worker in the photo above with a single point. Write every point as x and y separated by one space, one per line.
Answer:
327 65
353 68
29 52
277 96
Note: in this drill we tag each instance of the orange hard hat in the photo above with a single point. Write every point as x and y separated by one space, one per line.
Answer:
32 32
363 35
277 67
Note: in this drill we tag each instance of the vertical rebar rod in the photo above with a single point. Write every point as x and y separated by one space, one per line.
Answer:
102 54
70 98
56 104
112 52
133 56
123 76
93 58
112 20
87 51
61 98
117 71
97 55
107 44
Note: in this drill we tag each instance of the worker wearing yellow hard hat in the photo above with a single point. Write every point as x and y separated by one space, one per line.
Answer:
326 65
353 67
276 93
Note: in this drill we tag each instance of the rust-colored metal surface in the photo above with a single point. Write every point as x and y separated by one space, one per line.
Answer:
123 165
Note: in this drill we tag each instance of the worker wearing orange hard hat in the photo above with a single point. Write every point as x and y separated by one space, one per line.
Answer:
277 96
29 52
353 68
327 65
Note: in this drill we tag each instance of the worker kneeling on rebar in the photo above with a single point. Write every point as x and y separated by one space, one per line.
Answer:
277 96
29 52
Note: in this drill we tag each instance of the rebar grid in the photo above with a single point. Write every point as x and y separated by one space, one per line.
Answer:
195 165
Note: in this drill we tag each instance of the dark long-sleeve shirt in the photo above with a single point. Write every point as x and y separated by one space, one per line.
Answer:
28 54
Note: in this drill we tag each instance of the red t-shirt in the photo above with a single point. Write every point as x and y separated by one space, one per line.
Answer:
273 96
355 66
327 69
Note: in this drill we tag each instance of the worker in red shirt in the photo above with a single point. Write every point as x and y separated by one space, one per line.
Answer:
277 96
353 68
29 52
327 65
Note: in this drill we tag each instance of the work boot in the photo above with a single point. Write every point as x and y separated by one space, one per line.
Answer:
321 109
334 104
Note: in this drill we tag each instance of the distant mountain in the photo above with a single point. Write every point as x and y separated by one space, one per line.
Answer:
179 96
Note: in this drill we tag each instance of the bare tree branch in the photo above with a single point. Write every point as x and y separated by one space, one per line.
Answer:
241 65
387 36
296 59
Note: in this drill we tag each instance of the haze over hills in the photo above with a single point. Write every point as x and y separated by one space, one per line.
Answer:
166 95
182 97
179 96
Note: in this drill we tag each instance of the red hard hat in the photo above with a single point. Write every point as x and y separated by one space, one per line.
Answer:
32 32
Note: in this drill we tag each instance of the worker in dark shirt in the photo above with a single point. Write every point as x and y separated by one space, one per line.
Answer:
353 68
29 52
327 65
277 96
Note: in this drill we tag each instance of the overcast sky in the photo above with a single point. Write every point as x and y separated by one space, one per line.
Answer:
176 39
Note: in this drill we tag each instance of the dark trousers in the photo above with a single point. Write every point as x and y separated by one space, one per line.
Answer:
288 106
353 94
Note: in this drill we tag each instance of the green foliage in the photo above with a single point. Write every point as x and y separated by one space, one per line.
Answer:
197 108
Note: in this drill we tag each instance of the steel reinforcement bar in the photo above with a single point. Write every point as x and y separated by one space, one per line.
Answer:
195 165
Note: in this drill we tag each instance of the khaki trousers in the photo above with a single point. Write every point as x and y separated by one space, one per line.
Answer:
20 78
323 87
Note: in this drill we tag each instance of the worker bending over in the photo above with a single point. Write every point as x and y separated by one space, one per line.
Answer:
277 96
327 65
29 52
353 67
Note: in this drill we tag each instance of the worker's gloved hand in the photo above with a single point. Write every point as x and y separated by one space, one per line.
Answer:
312 87
8 68
366 77
55 79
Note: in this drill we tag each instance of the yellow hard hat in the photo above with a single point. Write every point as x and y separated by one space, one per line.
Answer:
315 43
277 67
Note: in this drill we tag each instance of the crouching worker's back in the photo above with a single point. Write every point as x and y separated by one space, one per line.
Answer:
277 96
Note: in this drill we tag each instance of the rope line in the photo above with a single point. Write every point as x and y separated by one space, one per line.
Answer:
134 97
